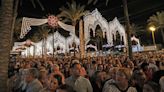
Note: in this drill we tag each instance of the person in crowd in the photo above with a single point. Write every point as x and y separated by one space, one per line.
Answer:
65 88
43 76
79 83
92 69
58 74
121 84
33 84
83 72
52 84
100 67
66 70
148 72
151 86
112 78
97 81
157 75
138 79
161 82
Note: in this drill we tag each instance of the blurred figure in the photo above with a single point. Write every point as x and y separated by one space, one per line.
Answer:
51 86
43 76
161 82
112 78
121 82
148 72
151 86
65 88
97 81
138 79
58 74
33 84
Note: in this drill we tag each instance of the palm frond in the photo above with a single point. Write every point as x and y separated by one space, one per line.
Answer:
95 1
33 3
157 19
72 12
90 1
40 4
107 1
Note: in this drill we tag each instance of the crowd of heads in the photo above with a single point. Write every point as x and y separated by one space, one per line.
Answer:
111 73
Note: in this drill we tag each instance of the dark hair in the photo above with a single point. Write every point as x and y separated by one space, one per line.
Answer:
93 62
95 76
66 87
153 85
143 65
59 79
74 64
33 72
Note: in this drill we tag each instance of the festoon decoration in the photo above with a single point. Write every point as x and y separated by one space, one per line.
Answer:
51 20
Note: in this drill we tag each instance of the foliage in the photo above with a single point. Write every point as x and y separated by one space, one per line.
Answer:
157 19
137 30
72 13
42 32
95 1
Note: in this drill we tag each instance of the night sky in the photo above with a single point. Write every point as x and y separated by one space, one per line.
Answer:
139 10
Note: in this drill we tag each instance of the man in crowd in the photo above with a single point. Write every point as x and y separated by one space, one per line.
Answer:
33 84
79 83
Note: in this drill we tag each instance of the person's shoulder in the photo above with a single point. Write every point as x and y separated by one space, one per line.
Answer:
68 79
132 89
43 90
112 88
83 78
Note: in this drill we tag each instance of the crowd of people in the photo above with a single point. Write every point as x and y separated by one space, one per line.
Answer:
112 73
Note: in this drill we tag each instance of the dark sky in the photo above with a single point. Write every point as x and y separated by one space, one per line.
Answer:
139 10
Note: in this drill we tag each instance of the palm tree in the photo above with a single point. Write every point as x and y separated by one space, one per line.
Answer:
44 31
137 30
128 28
158 21
6 10
72 14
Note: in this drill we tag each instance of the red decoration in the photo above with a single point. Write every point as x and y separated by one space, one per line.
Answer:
52 21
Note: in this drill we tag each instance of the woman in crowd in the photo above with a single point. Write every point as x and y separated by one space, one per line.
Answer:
121 83
97 81
52 84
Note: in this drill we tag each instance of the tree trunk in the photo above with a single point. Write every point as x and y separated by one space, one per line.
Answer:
74 43
82 43
15 13
162 33
128 29
5 36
